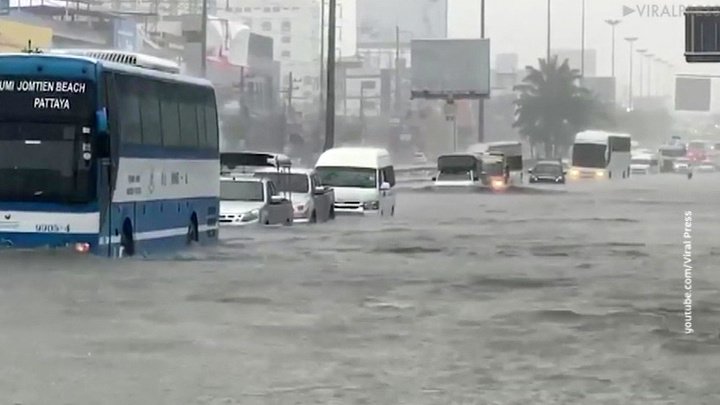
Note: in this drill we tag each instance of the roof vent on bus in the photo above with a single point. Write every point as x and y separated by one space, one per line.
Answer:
126 58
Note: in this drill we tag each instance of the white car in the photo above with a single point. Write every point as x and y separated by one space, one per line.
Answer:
248 200
644 163
312 202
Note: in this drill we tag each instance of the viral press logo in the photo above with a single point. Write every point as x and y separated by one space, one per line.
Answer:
652 10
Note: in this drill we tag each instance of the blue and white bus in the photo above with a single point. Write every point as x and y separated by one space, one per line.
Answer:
106 152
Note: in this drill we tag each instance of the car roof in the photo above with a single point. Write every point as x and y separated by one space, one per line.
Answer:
552 162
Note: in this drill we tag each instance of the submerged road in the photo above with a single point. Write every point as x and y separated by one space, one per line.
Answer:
547 298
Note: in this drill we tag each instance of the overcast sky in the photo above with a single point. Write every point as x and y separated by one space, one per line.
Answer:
520 26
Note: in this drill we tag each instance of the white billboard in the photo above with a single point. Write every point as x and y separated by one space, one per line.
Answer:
444 67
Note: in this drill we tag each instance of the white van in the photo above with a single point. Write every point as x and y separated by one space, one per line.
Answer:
363 179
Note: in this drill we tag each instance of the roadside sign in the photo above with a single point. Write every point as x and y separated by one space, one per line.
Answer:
450 110
701 34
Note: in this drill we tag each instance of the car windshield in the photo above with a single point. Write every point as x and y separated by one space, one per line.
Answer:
40 163
547 169
348 177
640 161
697 145
589 155
673 152
294 183
241 191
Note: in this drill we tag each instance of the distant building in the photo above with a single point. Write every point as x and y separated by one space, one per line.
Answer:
380 21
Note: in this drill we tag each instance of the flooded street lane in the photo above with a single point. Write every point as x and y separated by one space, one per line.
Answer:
569 297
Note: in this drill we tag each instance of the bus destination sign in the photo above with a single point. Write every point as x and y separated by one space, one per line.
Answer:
45 94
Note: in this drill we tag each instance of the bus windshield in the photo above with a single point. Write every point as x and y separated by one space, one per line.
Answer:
39 162
589 155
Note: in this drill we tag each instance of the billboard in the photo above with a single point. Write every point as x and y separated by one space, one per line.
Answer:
692 94
125 35
602 87
377 21
14 36
457 67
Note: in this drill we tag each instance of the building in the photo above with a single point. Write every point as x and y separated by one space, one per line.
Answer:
383 26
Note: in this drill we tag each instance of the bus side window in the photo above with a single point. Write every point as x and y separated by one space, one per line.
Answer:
104 145
150 114
169 114
129 112
211 127
202 127
188 118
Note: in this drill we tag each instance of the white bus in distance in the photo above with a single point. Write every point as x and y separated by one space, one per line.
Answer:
600 155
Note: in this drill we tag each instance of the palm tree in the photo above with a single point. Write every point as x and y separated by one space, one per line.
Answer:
552 107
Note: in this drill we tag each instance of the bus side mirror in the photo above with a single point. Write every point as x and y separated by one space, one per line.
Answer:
102 121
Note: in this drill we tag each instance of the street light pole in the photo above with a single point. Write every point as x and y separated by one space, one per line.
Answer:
330 101
651 59
631 41
612 24
641 52
203 40
397 71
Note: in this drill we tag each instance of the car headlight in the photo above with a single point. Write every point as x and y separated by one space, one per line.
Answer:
599 173
302 207
251 216
574 172
371 205
558 179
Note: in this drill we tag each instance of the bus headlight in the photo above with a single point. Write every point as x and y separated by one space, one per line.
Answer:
599 173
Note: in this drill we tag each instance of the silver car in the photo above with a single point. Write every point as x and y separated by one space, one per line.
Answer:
248 200
311 201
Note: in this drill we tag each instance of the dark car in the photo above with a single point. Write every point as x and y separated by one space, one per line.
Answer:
549 171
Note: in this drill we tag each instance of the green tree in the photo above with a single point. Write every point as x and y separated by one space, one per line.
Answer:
552 107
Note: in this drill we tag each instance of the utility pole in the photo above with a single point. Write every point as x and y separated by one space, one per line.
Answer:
397 71
291 84
481 102
330 102
582 42
322 52
203 41
548 32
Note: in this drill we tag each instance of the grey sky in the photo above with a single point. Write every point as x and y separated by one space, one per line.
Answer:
520 26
